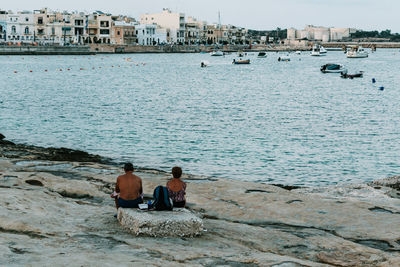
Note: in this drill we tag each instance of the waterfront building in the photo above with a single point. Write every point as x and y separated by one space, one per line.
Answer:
20 28
3 25
173 22
99 28
146 34
123 33
319 33
194 30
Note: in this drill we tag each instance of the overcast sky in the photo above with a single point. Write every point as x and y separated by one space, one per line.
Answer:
252 14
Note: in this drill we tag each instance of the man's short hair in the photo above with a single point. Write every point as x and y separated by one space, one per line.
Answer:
176 172
128 167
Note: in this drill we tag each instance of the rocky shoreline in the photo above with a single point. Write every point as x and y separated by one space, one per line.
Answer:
55 210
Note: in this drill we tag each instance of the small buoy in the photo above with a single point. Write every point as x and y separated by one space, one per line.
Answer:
45 70
15 71
60 69
68 69
30 71
381 88
373 80
81 69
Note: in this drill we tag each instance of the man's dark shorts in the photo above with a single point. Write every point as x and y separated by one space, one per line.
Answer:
130 203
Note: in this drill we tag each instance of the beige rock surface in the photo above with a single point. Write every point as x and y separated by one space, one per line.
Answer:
176 223
60 213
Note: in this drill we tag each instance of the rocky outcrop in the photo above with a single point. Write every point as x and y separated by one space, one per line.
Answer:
55 213
10 150
176 223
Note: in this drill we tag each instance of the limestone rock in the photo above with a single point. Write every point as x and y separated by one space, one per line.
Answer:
176 223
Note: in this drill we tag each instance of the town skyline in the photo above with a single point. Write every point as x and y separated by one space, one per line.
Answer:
256 15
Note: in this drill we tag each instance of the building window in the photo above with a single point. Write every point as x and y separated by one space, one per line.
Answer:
26 30
104 24
13 29
53 31
104 31
118 33
40 21
26 19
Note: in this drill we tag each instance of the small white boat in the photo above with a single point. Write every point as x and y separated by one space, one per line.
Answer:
298 52
284 58
204 64
357 52
262 54
333 68
217 53
318 51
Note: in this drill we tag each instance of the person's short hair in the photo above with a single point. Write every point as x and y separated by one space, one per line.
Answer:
128 167
176 172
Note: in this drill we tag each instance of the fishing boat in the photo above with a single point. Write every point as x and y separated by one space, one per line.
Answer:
217 53
318 50
332 68
262 54
241 61
357 52
351 76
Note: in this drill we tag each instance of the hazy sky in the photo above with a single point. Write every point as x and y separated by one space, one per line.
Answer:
252 14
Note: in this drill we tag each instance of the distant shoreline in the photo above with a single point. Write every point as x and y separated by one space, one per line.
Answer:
172 49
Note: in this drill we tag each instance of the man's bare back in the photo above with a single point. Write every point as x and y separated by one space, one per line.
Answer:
129 186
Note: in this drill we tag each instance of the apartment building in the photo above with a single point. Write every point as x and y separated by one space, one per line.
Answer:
123 33
319 33
173 22
3 25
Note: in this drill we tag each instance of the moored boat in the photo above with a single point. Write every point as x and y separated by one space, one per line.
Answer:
351 76
284 58
318 50
262 54
357 52
241 61
217 53
332 68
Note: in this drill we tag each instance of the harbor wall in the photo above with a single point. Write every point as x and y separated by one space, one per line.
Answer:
45 50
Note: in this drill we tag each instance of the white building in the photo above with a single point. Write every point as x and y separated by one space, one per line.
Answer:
174 23
146 34
21 28
318 33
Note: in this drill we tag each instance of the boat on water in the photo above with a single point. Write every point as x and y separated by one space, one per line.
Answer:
284 58
262 54
357 52
204 64
345 75
217 53
318 50
298 52
333 68
241 61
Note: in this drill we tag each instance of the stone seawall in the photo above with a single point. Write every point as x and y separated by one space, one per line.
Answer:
45 50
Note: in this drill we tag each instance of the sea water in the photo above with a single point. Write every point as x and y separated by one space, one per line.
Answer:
270 121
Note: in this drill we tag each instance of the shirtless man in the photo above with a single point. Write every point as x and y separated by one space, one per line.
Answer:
128 190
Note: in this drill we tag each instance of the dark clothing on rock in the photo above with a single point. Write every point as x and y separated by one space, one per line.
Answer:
180 204
122 203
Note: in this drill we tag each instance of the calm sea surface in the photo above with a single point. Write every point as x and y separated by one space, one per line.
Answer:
276 122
